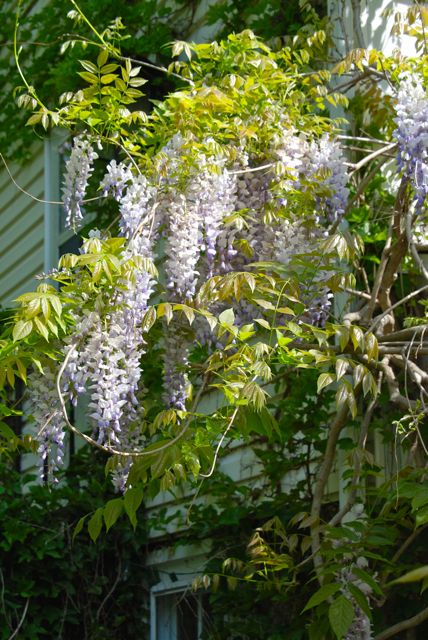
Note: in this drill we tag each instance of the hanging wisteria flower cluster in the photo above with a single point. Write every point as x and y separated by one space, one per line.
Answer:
46 410
186 207
412 135
79 168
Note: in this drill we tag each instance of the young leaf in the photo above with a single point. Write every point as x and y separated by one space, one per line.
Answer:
413 576
78 528
360 599
112 511
22 329
95 524
132 500
341 615
324 380
321 595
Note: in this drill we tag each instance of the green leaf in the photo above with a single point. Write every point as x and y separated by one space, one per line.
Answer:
112 511
109 77
321 595
165 309
8 411
6 431
95 524
359 373
22 329
369 384
102 58
342 333
341 615
341 367
149 319
416 575
368 579
88 66
372 347
41 328
56 304
132 500
357 336
79 526
227 317
108 68
360 599
89 77
324 380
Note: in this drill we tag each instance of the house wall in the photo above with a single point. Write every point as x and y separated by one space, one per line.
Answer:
22 241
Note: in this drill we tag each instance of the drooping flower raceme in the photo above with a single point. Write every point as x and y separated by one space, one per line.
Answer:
46 410
116 179
325 159
78 169
412 135
106 357
176 363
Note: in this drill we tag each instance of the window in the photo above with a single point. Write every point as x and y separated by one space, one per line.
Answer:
178 614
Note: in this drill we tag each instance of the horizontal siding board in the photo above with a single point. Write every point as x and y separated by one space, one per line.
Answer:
22 174
12 209
19 246
22 227
21 276
24 223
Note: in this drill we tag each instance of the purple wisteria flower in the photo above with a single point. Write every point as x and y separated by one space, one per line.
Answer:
116 179
325 156
45 408
412 135
78 169
105 360
175 367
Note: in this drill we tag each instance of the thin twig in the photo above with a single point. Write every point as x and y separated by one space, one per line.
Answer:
373 155
414 251
111 591
24 613
218 447
94 443
30 195
394 306
403 625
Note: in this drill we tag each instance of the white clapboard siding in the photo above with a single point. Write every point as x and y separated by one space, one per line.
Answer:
22 228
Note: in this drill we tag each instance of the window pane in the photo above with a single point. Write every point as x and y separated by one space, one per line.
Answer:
166 617
187 617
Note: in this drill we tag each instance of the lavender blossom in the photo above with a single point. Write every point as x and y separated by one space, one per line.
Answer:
326 157
184 247
77 172
47 412
219 200
136 206
412 135
107 362
116 179
175 363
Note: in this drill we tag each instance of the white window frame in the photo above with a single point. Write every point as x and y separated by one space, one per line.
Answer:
165 589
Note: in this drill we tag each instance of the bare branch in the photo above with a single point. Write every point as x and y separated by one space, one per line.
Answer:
375 154
404 625
21 622
321 481
416 257
358 459
356 23
394 306
111 591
